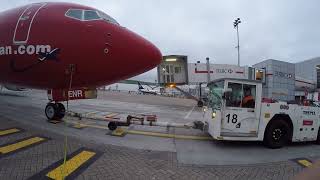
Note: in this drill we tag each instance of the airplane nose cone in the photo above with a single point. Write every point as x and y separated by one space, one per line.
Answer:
151 55
141 54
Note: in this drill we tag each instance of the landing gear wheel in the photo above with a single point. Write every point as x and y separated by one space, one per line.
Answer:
50 111
61 111
277 134
318 137
55 111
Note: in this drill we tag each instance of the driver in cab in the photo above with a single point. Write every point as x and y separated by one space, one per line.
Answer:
248 99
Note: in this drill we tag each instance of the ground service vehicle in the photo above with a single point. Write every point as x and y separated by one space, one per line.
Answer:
231 115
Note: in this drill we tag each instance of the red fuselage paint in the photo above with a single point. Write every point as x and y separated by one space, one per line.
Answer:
98 51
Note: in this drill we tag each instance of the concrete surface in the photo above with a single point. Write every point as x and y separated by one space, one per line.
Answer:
211 158
115 162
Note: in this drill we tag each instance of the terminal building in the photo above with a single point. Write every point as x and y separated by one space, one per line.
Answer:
279 79
282 80
176 69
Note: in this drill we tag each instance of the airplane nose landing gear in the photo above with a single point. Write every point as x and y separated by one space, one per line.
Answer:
55 111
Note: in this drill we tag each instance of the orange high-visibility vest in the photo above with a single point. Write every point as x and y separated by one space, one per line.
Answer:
246 99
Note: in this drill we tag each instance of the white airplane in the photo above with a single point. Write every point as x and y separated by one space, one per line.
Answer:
143 90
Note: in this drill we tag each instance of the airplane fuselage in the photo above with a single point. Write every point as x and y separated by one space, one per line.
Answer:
42 44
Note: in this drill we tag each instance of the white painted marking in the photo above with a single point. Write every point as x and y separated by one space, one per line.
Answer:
29 28
187 116
75 94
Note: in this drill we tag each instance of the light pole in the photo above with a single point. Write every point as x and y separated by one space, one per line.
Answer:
208 70
235 25
164 76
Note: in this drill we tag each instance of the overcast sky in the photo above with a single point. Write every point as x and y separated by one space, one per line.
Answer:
287 30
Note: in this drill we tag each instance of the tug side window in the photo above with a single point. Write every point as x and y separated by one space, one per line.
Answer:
236 95
242 96
249 96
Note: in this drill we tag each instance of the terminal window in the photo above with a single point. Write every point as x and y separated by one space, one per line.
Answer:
177 70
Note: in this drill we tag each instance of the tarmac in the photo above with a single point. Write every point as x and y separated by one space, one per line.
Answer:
30 147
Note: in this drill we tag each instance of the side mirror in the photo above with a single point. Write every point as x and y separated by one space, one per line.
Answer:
227 94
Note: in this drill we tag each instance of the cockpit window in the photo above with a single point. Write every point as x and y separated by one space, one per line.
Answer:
107 18
75 14
91 15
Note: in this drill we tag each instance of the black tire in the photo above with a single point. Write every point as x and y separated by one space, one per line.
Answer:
277 134
61 111
318 137
129 120
112 126
200 103
51 111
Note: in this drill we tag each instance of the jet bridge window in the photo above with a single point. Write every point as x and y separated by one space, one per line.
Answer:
75 14
91 15
177 70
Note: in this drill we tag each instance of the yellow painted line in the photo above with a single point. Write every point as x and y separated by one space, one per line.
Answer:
96 126
55 121
305 162
99 127
146 133
71 165
78 125
21 144
91 113
119 132
155 134
111 115
87 125
9 131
